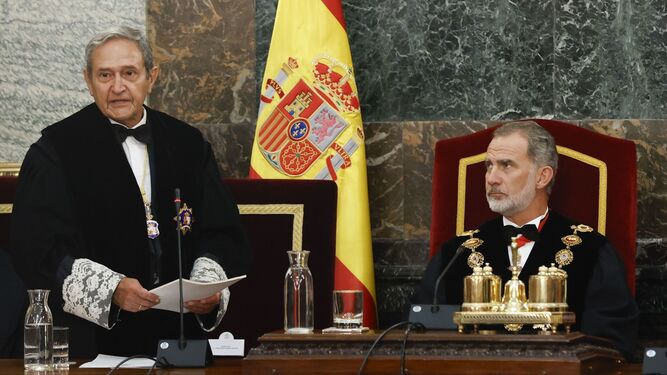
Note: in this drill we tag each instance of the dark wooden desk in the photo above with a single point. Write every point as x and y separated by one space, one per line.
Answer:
221 366
228 366
435 352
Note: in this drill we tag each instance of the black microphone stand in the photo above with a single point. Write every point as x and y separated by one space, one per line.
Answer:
182 352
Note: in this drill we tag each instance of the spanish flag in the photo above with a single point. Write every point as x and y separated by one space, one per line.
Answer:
309 127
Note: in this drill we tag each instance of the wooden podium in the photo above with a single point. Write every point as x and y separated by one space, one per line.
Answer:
433 352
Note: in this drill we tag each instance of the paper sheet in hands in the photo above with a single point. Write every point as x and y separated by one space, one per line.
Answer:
192 290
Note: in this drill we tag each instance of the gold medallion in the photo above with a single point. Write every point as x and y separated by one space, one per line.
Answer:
582 228
564 257
152 226
571 240
475 259
472 243
185 219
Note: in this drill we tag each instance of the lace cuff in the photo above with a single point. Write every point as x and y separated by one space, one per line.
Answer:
88 291
206 269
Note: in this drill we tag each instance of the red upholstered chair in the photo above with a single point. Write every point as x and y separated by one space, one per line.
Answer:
9 174
596 184
281 215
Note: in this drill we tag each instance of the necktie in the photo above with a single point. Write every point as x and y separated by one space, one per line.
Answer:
528 233
142 133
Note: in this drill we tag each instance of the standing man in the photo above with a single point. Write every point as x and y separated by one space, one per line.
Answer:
93 219
521 164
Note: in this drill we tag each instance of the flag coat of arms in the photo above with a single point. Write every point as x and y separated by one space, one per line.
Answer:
309 126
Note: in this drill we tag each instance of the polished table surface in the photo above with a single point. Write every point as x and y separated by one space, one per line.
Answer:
222 366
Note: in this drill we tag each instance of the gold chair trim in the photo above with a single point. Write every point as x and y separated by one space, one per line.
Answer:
461 191
602 182
296 210
602 190
8 169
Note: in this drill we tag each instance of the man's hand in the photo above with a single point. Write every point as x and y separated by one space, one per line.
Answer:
205 305
131 296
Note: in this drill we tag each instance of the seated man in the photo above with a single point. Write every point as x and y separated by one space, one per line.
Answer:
521 164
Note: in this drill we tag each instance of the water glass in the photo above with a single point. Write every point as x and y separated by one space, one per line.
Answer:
348 309
60 348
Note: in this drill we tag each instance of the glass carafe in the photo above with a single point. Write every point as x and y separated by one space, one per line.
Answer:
38 332
298 293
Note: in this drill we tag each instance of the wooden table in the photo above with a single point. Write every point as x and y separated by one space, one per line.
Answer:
228 366
221 366
431 352
436 352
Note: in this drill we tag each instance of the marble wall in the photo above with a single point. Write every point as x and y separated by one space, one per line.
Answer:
496 59
206 51
41 59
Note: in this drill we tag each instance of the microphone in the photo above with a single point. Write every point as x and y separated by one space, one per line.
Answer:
182 352
437 316
443 273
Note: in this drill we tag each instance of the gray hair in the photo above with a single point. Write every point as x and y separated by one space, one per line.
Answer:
120 32
541 144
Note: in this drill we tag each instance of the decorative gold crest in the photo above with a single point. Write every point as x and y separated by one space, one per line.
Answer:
581 228
571 240
185 219
152 226
564 257
476 259
472 243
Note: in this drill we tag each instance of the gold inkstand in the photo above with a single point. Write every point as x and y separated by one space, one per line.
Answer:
546 309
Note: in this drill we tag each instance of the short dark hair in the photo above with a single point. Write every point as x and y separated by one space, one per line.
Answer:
120 32
541 144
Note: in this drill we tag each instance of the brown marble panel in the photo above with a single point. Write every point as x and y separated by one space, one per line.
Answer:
399 258
384 163
231 145
652 253
419 140
651 140
206 52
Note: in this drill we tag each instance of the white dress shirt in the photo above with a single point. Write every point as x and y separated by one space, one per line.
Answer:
524 251
137 155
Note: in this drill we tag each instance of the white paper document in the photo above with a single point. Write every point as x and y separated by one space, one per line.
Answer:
168 293
227 345
111 361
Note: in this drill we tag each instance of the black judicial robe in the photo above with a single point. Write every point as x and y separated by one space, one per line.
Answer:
77 198
596 288
12 313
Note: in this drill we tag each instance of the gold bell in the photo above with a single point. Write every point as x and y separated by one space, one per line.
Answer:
481 290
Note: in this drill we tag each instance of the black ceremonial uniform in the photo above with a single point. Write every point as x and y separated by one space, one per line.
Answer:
78 198
596 288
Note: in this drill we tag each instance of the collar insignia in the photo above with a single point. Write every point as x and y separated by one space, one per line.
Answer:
185 219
